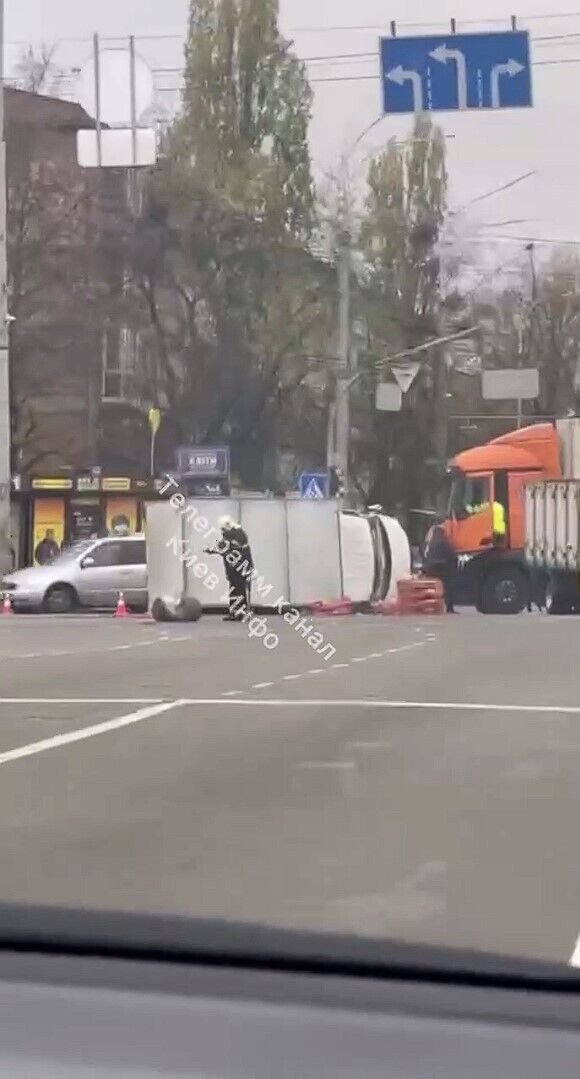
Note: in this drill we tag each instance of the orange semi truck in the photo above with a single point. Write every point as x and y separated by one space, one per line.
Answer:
495 577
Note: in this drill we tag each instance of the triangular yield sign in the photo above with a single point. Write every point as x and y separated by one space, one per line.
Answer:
405 374
313 490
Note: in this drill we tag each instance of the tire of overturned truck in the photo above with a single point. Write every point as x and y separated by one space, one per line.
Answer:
189 610
562 596
504 590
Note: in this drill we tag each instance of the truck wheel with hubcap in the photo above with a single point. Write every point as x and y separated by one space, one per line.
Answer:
505 590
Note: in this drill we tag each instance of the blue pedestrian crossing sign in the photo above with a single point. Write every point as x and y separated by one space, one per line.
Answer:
456 72
314 485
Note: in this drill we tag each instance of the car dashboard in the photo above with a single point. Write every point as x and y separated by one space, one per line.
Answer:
275 1008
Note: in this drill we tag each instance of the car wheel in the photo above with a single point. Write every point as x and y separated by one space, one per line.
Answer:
60 599
505 591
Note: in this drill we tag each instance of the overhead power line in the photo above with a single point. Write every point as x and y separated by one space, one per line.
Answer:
428 25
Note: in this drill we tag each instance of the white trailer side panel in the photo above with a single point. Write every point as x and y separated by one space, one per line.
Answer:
315 568
569 435
266 526
552 524
165 567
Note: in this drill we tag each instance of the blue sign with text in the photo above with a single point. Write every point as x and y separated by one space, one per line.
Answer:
205 462
456 72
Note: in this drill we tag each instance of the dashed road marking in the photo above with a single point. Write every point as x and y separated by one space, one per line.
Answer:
326 766
263 685
370 745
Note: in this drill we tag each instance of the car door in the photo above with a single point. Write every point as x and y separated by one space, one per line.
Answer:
100 574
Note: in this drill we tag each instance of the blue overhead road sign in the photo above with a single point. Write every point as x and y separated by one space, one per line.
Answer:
456 71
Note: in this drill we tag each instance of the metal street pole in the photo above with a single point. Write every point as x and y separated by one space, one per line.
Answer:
534 297
5 433
342 451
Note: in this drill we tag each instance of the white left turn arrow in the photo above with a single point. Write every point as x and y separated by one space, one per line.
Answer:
400 75
444 55
513 67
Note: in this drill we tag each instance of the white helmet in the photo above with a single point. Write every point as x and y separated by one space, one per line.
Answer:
226 523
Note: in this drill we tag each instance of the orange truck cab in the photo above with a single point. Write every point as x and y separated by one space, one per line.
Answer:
493 574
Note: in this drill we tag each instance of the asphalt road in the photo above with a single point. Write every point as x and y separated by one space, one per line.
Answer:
423 784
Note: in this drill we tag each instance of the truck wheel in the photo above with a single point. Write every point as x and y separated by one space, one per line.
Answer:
505 591
558 600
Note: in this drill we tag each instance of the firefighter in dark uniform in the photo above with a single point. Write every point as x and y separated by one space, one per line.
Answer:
238 565
441 561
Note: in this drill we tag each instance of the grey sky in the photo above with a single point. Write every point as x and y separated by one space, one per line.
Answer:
488 149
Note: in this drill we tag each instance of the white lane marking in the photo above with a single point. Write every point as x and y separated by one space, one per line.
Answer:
441 706
371 745
575 957
317 670
52 654
406 648
263 685
81 700
325 766
359 659
291 677
339 666
233 693
82 735
376 655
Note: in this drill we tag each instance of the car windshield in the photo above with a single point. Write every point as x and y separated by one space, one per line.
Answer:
270 270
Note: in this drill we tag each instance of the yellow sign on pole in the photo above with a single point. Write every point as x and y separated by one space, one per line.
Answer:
154 419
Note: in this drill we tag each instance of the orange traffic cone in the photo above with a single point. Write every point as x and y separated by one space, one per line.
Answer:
7 604
121 611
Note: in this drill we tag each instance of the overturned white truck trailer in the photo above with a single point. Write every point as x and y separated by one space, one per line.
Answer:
304 551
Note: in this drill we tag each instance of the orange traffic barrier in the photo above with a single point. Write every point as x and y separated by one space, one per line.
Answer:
421 596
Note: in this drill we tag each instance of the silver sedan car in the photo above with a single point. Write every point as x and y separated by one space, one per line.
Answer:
89 574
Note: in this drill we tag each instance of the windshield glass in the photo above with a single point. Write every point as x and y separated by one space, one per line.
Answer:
469 496
243 339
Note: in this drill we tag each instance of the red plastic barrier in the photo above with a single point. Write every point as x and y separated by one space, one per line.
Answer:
332 607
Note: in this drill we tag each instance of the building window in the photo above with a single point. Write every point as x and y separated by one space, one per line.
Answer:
119 354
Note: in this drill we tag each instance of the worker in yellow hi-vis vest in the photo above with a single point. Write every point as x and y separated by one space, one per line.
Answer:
499 524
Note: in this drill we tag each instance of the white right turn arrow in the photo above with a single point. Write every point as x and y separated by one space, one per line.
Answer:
513 67
400 75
